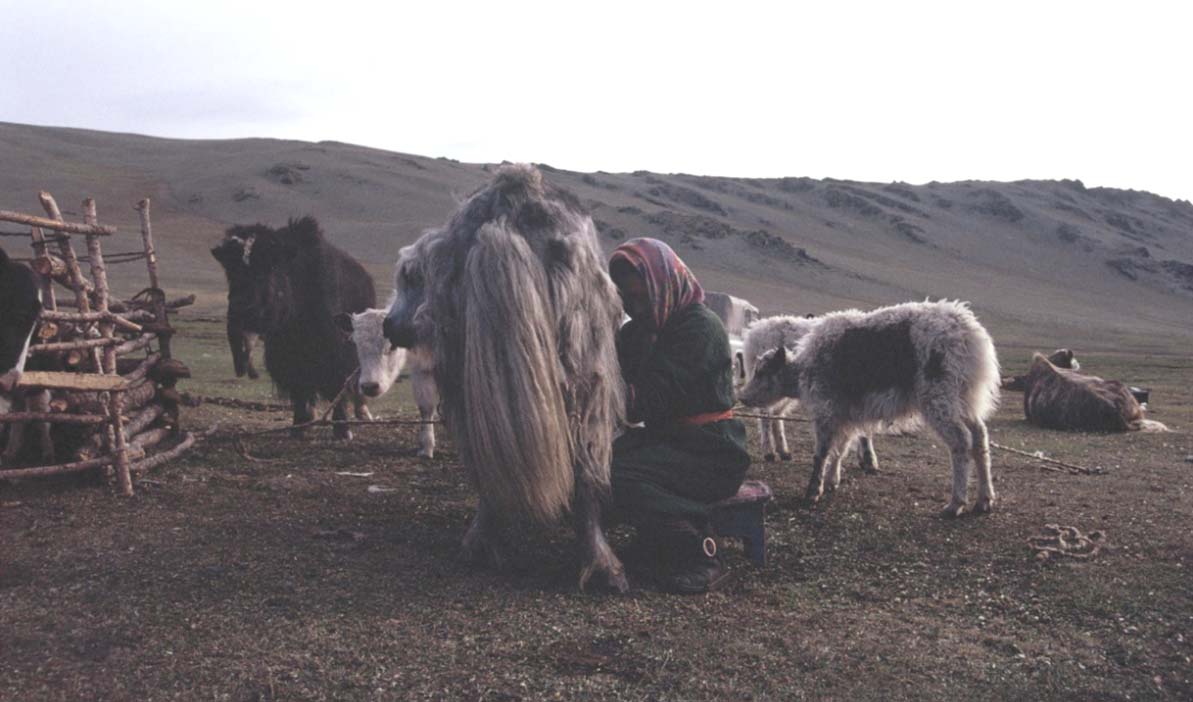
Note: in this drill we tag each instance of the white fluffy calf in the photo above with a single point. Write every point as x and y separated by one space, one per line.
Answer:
381 363
858 371
766 335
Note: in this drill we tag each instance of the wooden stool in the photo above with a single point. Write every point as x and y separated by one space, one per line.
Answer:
743 516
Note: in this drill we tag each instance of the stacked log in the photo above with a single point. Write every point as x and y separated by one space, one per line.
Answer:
115 392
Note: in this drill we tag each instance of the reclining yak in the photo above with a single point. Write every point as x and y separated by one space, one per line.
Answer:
1061 358
771 333
299 283
515 301
381 363
1056 398
856 371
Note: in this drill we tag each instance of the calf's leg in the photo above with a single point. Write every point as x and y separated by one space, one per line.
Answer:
426 396
340 413
825 438
981 457
958 438
867 459
780 429
764 429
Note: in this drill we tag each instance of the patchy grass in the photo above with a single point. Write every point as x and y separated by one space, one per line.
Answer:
231 579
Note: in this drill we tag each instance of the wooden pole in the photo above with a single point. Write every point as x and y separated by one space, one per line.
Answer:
87 317
148 438
48 298
135 344
135 425
68 253
99 273
135 397
165 456
61 468
72 261
52 417
56 223
142 369
147 239
117 446
72 345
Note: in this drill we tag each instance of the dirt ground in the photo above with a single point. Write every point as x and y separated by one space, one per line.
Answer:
226 578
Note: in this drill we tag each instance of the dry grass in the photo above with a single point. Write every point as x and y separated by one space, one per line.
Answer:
225 579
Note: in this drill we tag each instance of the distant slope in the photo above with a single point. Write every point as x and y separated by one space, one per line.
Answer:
1043 262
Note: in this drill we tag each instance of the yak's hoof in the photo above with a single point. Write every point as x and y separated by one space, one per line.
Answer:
984 505
769 458
482 555
953 510
813 496
610 578
785 455
342 435
426 453
253 375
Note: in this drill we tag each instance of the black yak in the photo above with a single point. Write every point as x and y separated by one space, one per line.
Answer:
300 282
20 305
244 327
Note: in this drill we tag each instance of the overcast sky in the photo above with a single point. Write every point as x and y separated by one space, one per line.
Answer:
882 91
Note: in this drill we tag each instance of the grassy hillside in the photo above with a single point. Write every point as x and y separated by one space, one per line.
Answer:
1044 262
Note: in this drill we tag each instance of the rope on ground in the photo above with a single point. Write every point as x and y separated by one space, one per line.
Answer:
755 415
1070 468
1057 540
237 438
193 400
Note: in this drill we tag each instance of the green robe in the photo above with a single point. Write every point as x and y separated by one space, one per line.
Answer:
670 470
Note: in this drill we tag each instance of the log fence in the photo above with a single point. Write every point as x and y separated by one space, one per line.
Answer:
117 381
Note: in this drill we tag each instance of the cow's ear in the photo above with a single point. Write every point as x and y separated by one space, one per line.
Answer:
343 321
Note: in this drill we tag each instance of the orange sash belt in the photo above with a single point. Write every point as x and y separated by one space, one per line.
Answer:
706 418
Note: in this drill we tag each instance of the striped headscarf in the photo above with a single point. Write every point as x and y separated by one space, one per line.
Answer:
669 283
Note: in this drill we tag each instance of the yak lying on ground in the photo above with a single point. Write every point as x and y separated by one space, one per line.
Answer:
786 331
1061 358
381 363
856 371
244 326
1057 398
514 299
299 283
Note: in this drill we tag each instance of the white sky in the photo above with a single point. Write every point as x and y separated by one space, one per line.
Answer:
876 91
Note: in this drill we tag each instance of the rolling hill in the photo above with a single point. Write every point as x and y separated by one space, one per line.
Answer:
1045 263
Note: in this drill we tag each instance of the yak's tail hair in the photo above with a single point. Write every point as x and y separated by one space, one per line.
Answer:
514 431
1151 426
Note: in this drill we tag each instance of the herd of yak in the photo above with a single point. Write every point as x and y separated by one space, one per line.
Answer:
505 317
